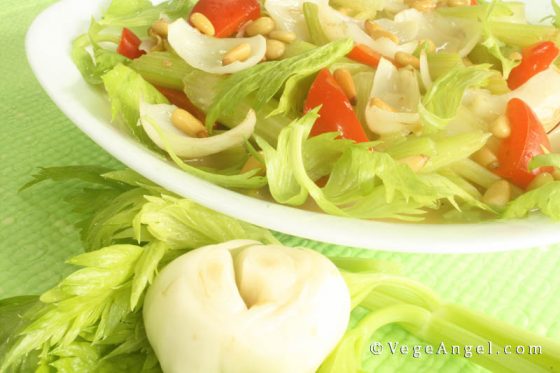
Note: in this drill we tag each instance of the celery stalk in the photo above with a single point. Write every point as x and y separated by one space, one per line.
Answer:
475 173
510 11
316 33
413 146
297 47
442 63
163 69
523 35
450 149
455 325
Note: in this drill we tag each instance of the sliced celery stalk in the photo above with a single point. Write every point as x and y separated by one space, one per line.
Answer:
475 173
297 47
510 11
413 146
442 63
481 55
523 35
316 33
450 149
163 69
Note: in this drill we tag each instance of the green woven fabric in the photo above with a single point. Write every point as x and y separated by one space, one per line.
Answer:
36 233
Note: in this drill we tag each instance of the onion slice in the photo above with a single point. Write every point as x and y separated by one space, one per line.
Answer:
206 53
156 120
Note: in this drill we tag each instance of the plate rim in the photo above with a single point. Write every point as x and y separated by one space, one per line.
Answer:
363 234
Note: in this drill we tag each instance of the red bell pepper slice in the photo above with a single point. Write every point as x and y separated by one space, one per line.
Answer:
227 16
364 54
336 114
129 46
536 59
526 141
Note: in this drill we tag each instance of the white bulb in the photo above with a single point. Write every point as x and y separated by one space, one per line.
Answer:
241 307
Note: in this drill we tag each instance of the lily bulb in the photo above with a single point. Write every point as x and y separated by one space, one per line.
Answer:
241 307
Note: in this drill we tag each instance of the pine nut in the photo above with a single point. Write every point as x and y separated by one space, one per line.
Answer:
160 27
498 195
415 162
283 36
261 26
380 104
422 5
253 164
501 127
540 181
159 45
405 59
378 34
371 27
486 158
274 49
188 124
238 53
346 82
203 24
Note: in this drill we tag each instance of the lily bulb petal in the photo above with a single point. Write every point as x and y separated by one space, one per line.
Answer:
207 53
156 120
241 307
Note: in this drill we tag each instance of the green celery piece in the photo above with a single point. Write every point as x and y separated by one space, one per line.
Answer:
266 79
556 18
298 47
451 149
316 33
103 60
126 89
140 14
393 299
513 11
523 35
546 199
441 103
475 173
411 146
496 47
163 69
442 63
110 285
545 160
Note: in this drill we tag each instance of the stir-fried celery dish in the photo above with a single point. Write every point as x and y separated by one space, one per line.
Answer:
381 109
378 109
166 285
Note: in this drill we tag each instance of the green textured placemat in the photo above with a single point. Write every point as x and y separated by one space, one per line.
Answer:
36 233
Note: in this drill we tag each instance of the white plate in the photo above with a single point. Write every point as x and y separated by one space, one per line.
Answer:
48 49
